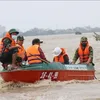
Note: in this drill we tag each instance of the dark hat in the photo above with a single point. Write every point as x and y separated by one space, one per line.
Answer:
36 40
21 38
13 31
83 39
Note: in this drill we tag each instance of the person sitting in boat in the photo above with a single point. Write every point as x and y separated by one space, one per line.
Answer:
34 53
84 52
60 55
8 49
21 51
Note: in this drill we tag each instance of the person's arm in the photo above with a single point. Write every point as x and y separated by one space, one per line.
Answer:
7 44
25 58
90 55
12 47
66 59
42 54
75 57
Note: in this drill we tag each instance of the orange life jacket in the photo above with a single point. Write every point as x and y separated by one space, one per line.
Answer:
2 48
1 43
83 54
60 58
21 51
63 51
33 54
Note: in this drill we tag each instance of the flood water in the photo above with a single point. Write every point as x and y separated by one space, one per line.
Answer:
47 90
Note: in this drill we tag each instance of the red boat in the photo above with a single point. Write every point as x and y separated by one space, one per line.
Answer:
53 71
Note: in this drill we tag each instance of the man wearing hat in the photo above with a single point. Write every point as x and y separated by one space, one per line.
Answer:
34 53
21 51
60 55
84 52
8 49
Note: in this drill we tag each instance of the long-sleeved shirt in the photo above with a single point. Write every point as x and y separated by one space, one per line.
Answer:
42 54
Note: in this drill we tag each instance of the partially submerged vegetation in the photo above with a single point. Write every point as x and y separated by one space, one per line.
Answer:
96 36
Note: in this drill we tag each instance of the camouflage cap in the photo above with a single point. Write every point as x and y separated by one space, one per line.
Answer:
13 31
21 38
83 39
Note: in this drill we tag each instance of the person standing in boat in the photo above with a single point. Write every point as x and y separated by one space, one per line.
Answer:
60 55
84 52
21 51
34 53
8 49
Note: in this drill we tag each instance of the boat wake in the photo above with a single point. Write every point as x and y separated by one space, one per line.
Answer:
8 86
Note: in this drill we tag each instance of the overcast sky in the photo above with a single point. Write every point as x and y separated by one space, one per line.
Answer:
25 15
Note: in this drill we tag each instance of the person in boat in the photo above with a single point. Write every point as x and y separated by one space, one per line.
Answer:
21 51
34 53
84 52
60 55
8 49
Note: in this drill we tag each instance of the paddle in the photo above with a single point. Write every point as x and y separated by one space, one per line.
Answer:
41 59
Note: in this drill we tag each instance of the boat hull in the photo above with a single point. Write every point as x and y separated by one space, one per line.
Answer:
31 75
